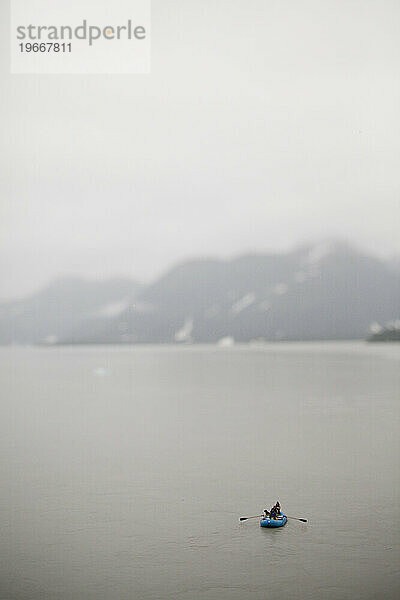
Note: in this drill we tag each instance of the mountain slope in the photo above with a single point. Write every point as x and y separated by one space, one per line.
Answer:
328 291
63 306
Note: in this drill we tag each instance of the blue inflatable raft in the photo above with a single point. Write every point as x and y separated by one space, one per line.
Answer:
278 522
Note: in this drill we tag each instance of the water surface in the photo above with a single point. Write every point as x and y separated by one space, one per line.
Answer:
124 471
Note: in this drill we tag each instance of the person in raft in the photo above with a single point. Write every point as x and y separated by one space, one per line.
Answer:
275 511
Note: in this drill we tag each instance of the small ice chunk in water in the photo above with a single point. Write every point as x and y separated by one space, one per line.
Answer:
101 371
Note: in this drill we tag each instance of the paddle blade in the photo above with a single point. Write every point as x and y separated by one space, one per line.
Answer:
304 520
254 517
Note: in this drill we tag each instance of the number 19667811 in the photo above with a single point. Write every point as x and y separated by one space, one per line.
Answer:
45 47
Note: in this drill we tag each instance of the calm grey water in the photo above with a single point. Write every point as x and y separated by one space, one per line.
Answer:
124 472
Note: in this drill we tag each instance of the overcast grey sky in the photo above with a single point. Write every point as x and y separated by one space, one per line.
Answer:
262 125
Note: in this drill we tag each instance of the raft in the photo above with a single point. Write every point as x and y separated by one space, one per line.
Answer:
278 522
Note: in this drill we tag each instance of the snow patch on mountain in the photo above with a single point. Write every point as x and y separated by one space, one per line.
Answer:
375 327
280 288
212 312
143 307
318 252
226 342
112 309
184 334
264 306
300 277
50 339
243 303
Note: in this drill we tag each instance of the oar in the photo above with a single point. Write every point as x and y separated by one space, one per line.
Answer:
258 516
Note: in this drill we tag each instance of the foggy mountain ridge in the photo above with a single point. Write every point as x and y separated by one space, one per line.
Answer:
316 292
62 306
